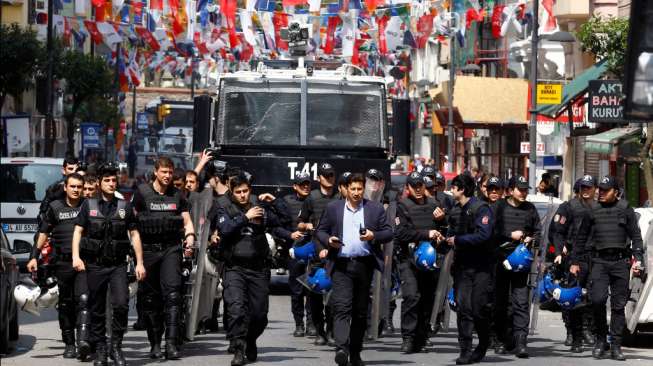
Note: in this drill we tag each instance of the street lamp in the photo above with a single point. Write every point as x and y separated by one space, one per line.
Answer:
532 127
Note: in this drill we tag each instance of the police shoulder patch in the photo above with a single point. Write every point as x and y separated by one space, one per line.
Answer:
556 218
485 220
221 219
92 213
397 221
121 213
563 220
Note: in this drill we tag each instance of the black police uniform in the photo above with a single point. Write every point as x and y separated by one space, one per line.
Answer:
54 192
299 297
471 225
615 237
162 232
311 211
565 227
414 220
59 222
247 271
104 249
510 285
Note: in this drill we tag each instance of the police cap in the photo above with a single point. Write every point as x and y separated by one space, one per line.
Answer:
344 178
587 181
302 177
519 182
108 169
325 169
608 182
374 174
494 182
428 171
415 179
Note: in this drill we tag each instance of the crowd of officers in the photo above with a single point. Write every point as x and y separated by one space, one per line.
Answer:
349 218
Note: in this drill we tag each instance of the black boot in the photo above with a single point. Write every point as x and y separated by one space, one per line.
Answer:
300 331
588 335
101 358
330 340
465 357
577 347
407 345
479 352
239 353
172 352
569 340
154 336
116 349
321 338
520 346
68 337
83 346
599 348
251 350
616 353
310 330
232 347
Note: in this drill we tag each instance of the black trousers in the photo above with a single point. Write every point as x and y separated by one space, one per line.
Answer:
614 275
472 284
161 290
246 299
578 316
418 294
72 285
299 300
350 297
99 279
513 287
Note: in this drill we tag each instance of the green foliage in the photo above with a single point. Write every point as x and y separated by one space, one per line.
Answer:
607 38
102 110
20 56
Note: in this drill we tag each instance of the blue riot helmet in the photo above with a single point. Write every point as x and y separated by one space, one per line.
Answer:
451 299
545 288
569 297
425 256
305 252
318 281
519 260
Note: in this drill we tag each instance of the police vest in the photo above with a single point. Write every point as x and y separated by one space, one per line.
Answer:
610 226
62 232
512 219
160 221
421 215
107 236
320 203
578 210
251 243
445 200
294 206
462 221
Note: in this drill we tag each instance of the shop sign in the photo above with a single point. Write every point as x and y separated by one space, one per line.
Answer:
605 101
549 93
525 148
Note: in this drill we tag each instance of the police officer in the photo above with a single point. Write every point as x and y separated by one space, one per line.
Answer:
616 238
342 185
565 227
415 223
309 217
437 189
517 221
164 222
470 233
492 189
242 224
290 235
59 223
56 190
100 247
90 186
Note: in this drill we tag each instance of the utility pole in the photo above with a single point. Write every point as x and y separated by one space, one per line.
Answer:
450 130
49 117
532 127
134 111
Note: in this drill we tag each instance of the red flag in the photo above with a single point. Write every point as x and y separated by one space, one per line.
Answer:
522 11
156 4
373 4
177 27
96 36
354 57
424 28
293 2
280 20
383 45
201 46
174 6
551 21
98 3
228 8
248 51
331 33
496 20
66 31
147 36
473 16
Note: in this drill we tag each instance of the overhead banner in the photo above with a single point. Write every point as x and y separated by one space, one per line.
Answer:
605 101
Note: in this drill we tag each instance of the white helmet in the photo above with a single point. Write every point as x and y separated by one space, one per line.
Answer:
271 243
48 298
26 298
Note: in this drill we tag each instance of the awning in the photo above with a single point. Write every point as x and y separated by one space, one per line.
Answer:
603 142
575 88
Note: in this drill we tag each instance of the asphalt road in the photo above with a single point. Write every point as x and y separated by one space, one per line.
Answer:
40 344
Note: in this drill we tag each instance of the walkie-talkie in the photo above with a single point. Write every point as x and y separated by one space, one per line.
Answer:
362 230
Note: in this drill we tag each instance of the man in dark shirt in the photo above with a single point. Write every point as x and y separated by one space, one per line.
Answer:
101 242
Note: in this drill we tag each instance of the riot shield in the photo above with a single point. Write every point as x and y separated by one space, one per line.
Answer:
539 266
382 281
201 285
445 282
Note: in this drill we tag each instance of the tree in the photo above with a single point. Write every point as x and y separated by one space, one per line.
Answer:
20 60
87 78
606 38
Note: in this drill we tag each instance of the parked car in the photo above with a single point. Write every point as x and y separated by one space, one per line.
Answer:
24 182
639 309
8 309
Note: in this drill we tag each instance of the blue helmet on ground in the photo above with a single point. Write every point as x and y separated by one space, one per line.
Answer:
425 257
519 260
318 281
305 252
568 294
451 299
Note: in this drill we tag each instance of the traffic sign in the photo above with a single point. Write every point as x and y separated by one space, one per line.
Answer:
549 93
141 121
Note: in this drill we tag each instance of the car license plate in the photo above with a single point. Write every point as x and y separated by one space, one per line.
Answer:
19 228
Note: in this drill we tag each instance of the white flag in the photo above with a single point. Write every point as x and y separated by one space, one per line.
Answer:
246 25
314 5
108 33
